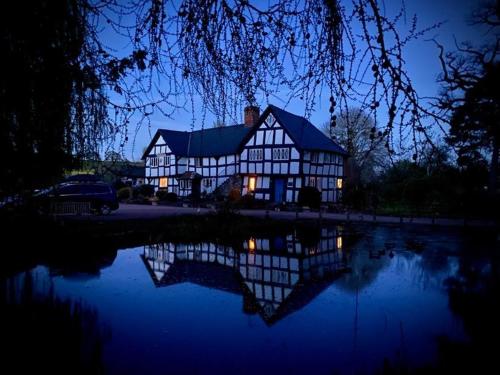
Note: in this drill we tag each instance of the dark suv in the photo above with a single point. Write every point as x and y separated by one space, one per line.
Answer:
99 195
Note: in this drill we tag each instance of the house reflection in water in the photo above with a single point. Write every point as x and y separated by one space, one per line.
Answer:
276 276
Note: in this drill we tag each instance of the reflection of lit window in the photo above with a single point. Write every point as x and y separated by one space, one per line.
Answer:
251 244
339 242
251 184
339 183
163 182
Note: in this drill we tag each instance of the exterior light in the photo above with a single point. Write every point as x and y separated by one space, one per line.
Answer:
339 242
251 184
339 183
163 182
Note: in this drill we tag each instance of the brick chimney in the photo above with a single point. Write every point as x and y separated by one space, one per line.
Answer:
251 115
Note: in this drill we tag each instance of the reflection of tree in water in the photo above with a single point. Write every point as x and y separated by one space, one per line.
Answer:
474 296
39 329
366 258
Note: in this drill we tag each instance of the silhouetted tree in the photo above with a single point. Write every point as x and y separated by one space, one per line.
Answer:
470 100
67 90
356 132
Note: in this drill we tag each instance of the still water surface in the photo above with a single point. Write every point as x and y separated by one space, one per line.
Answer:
345 300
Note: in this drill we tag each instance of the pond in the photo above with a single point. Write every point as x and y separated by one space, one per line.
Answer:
335 299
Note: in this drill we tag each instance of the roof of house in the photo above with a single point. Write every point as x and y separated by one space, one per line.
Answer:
228 140
304 134
212 142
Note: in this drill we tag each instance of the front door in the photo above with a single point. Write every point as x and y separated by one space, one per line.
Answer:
279 190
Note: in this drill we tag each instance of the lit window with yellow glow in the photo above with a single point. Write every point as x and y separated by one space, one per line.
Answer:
339 242
339 183
251 245
251 183
163 182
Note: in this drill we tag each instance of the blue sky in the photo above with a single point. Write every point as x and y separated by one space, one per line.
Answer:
421 60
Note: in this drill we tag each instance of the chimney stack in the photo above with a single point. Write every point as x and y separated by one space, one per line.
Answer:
251 115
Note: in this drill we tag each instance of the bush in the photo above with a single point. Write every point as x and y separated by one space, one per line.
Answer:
309 196
247 201
144 191
165 196
124 194
234 195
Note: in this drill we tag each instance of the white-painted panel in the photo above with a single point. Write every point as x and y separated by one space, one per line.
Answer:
154 172
294 167
259 196
324 196
306 168
230 159
251 167
284 169
295 154
320 169
269 137
259 183
307 155
278 137
245 181
258 168
267 153
243 167
313 169
270 119
276 168
324 183
259 137
267 168
288 140
213 171
251 141
244 154
265 182
289 195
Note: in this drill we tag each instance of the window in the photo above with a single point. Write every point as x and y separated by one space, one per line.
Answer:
163 182
339 242
314 157
154 162
315 182
185 184
281 153
256 154
207 182
251 183
339 183
198 162
251 244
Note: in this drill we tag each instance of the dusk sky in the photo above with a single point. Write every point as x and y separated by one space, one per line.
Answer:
421 60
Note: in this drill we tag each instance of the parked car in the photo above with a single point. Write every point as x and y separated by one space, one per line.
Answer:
101 196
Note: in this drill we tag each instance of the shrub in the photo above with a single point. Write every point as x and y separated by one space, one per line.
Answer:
247 201
165 196
144 190
234 195
309 196
124 194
